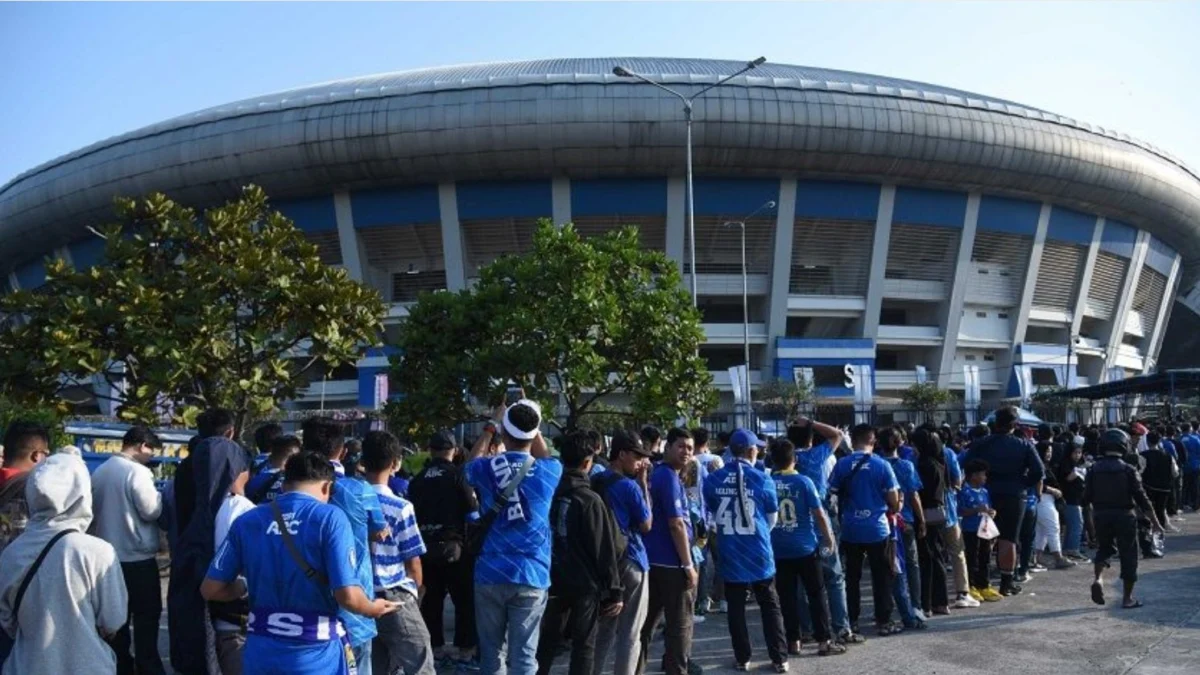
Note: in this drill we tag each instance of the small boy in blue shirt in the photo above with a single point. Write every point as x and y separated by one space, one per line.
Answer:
973 504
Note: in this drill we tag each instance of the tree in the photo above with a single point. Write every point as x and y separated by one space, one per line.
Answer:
785 399
572 321
226 309
925 398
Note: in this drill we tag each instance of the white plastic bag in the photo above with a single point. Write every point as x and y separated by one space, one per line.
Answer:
987 528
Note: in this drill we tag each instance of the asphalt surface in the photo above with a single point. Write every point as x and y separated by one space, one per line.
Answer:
1052 627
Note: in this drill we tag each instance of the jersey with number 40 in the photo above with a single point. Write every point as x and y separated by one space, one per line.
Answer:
517 547
741 497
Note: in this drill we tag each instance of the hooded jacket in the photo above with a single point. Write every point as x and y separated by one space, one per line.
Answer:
585 558
76 594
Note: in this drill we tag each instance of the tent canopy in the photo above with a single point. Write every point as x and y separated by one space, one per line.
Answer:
1173 382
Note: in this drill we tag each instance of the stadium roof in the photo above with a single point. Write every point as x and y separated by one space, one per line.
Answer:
1166 382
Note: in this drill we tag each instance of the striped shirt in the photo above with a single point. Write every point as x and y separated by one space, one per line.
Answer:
402 543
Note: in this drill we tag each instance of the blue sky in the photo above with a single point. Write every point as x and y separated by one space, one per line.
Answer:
73 74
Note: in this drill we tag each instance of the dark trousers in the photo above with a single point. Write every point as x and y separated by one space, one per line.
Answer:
578 618
881 580
1116 533
672 600
979 556
145 610
1028 530
1191 493
933 573
772 619
455 579
1159 500
793 575
1173 500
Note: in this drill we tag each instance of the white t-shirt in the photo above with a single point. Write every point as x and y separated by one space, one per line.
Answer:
231 509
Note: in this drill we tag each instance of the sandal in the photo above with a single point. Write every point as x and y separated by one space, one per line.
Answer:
887 629
831 649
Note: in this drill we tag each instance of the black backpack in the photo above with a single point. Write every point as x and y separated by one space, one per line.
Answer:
600 485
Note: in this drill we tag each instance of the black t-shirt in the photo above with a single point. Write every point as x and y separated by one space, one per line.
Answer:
1072 489
441 501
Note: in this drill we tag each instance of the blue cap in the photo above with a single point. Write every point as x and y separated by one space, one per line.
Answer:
743 439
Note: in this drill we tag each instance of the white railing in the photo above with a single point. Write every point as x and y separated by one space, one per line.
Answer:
910 332
335 390
731 333
914 289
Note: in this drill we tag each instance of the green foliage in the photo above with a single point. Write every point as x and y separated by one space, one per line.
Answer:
1046 404
785 399
52 419
571 321
187 312
925 398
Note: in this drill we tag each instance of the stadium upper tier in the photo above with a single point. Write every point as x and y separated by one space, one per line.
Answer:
573 118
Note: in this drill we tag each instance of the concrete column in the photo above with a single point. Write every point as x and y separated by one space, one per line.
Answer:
676 225
560 201
958 292
1154 344
452 245
879 249
1031 275
781 271
1086 280
1116 330
353 256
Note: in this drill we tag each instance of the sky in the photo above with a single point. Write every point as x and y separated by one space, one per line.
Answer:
74 74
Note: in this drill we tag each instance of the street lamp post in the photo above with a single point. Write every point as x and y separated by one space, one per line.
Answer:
741 224
687 101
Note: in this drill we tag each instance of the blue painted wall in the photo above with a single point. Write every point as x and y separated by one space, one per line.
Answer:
1070 226
504 199
619 196
930 207
410 205
314 214
366 376
32 275
1118 238
1014 216
840 200
87 253
733 197
783 367
1160 257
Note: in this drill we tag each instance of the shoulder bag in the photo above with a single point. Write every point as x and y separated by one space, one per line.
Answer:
478 531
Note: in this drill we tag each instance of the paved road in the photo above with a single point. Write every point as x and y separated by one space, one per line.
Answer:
1052 627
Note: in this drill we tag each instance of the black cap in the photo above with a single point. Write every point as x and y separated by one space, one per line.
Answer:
442 440
624 441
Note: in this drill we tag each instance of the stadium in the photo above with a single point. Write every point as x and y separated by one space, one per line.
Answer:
919 233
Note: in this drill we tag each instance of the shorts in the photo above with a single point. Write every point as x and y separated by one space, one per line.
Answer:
1010 510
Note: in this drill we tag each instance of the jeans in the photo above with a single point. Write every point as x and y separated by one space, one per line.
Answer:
507 618
772 619
904 604
912 561
672 600
362 658
623 633
403 640
711 586
455 579
145 610
803 576
835 590
881 579
578 617
1073 517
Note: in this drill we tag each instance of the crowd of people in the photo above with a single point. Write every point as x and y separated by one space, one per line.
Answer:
315 554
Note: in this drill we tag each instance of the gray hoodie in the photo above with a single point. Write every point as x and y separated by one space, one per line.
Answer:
76 595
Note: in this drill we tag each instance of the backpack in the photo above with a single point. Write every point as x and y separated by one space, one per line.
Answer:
600 485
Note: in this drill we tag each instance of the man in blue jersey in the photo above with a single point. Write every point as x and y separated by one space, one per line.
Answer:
951 532
360 503
744 504
709 589
266 485
304 574
794 540
1191 474
868 493
911 513
403 643
816 462
625 488
672 577
512 572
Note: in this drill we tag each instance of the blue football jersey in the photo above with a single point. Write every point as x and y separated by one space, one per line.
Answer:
795 532
517 547
863 503
740 497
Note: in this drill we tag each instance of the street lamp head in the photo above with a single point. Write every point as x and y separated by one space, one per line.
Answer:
757 62
621 72
769 205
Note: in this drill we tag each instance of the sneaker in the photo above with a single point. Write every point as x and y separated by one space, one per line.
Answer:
990 594
974 594
723 607
698 618
1011 589
919 614
705 606
780 667
1021 577
967 599
741 667
1037 567
1065 564
794 648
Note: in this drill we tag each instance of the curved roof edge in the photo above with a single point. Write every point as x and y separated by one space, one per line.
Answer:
567 71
